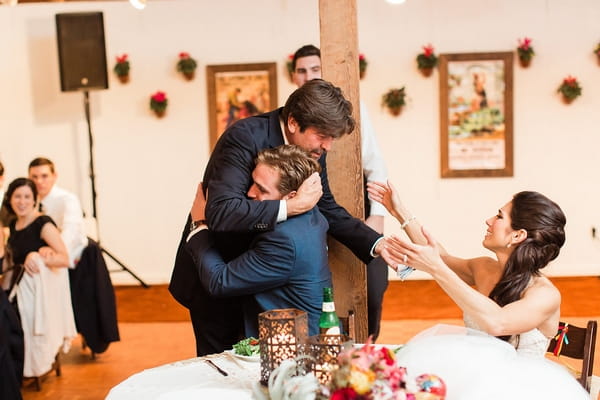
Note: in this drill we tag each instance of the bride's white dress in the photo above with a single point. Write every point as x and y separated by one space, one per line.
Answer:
531 343
476 366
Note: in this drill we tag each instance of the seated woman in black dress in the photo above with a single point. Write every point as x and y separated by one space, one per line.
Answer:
43 295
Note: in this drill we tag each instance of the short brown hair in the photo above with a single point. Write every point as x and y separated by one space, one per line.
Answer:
37 162
305 51
292 163
320 105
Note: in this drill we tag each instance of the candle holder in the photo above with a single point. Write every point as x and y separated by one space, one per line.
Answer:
323 351
280 334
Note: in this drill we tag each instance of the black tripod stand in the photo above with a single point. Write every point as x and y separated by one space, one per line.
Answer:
86 103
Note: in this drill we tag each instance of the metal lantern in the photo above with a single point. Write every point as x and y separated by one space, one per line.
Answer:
280 334
323 351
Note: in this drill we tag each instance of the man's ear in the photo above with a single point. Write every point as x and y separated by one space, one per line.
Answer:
292 125
290 195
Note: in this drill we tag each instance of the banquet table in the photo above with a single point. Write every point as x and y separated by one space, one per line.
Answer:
194 378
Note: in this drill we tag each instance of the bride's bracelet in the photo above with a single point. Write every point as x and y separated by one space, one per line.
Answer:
405 223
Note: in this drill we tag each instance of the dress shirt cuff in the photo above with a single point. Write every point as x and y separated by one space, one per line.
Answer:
374 246
282 214
200 227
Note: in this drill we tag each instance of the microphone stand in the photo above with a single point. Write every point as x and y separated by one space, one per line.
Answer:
86 103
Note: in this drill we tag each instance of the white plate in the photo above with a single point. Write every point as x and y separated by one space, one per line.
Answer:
255 358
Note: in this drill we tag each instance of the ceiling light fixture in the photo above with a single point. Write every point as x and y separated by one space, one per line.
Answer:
395 1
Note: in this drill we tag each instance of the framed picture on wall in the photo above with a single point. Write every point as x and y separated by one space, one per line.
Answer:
476 114
237 91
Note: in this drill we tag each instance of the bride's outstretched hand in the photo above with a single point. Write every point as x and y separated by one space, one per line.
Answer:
386 194
422 257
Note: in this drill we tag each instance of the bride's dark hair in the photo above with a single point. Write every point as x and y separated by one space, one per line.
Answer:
544 222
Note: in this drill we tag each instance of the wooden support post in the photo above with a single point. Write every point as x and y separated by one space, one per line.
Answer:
339 59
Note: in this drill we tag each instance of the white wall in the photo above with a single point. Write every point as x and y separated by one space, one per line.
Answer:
147 169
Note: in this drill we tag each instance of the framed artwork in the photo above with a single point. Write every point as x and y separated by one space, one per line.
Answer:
237 91
476 114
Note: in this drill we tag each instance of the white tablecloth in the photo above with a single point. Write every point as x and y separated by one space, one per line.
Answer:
191 379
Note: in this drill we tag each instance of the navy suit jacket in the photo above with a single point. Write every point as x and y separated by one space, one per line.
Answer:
283 268
227 177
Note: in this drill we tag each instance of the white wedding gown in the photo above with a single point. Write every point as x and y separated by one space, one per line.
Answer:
476 366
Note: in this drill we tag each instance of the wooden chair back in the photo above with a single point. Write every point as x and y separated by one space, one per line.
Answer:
581 346
349 324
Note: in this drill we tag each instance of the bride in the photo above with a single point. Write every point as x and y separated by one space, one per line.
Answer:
506 297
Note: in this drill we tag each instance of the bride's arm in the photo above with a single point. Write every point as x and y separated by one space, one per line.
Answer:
538 304
387 195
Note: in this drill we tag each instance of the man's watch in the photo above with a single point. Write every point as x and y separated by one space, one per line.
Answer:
196 224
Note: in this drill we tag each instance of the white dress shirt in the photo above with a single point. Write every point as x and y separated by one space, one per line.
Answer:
64 208
373 165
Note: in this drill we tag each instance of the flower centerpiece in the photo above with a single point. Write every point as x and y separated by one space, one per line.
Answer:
368 372
525 52
158 103
121 68
362 65
371 373
427 60
394 100
186 65
569 89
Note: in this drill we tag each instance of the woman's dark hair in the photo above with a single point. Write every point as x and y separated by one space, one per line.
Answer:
544 222
320 105
14 185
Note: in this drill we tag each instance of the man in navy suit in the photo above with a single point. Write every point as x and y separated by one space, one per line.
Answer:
285 267
313 116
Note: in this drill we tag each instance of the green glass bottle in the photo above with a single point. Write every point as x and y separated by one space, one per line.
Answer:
329 323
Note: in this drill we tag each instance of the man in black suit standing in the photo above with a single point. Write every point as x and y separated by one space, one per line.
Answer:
313 116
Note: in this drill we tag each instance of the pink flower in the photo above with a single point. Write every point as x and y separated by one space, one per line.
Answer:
428 50
183 55
344 394
387 355
361 56
525 44
122 58
159 97
290 57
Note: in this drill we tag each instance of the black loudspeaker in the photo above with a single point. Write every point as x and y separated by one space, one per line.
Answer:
81 51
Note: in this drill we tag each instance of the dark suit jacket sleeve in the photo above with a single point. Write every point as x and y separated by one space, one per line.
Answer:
350 231
267 264
229 176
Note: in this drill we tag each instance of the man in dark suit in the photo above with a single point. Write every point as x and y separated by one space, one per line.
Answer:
283 268
313 116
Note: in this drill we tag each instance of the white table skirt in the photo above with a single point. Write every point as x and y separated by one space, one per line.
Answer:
191 379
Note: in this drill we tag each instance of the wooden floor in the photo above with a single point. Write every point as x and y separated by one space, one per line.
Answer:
155 330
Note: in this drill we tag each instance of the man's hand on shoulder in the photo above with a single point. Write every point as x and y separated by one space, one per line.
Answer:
307 196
